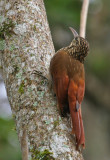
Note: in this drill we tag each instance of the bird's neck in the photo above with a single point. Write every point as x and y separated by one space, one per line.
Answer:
74 53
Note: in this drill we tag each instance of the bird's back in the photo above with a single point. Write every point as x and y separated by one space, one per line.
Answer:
62 63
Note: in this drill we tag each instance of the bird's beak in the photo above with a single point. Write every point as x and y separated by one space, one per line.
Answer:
74 32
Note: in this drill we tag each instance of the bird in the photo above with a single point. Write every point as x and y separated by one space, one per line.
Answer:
68 79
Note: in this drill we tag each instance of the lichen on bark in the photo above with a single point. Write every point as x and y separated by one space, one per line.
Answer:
34 109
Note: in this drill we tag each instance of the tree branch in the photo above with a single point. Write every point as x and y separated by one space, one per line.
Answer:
38 123
83 19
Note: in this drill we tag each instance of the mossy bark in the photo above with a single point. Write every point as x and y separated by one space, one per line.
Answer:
29 49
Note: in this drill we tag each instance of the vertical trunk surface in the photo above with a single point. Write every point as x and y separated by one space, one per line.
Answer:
30 48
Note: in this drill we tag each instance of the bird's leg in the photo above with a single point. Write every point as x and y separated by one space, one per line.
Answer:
46 78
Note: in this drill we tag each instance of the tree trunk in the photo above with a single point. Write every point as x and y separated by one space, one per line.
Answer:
29 48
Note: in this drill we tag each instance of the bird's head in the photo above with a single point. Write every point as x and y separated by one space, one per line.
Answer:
79 47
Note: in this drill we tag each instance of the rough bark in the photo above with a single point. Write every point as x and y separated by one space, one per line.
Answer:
34 109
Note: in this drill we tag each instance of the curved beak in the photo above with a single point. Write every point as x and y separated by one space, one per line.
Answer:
74 32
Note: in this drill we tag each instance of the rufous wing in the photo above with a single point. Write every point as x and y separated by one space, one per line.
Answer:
61 89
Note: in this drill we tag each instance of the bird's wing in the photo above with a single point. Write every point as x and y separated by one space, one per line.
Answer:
61 89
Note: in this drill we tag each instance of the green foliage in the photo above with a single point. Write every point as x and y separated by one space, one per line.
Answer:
6 28
99 64
63 11
9 145
42 155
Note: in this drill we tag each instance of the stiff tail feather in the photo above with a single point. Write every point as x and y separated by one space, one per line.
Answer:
76 116
78 128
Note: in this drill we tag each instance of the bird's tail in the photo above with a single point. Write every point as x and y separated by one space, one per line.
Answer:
78 128
76 116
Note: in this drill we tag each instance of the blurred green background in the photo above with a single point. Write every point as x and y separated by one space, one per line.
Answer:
63 14
96 105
